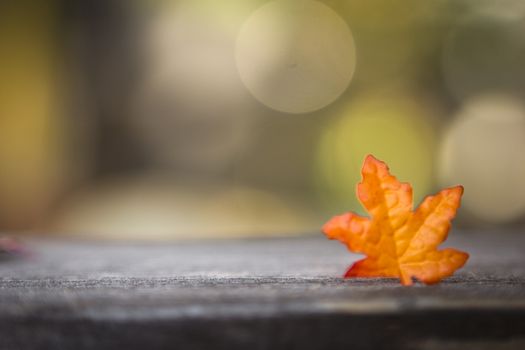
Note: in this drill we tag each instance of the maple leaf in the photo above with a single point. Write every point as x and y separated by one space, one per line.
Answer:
397 241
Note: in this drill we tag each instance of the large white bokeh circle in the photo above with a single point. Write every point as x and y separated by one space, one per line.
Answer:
295 56
483 151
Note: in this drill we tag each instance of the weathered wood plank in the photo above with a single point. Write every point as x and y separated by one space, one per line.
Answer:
268 293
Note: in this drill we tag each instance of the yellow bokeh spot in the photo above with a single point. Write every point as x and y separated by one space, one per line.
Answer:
395 130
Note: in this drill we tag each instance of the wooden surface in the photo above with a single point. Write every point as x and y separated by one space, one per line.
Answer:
261 294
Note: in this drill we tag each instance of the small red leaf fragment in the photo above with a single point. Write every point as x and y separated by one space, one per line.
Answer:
398 241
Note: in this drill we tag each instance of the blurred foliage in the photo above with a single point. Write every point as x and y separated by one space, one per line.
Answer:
131 119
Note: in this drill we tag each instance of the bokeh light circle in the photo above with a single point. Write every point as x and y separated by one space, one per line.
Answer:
295 56
393 129
484 151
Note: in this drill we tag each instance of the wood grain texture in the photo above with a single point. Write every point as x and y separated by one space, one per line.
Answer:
268 293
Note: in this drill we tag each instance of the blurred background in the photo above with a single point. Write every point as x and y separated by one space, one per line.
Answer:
184 119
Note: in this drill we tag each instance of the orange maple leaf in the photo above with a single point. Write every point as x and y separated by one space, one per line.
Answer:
398 242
